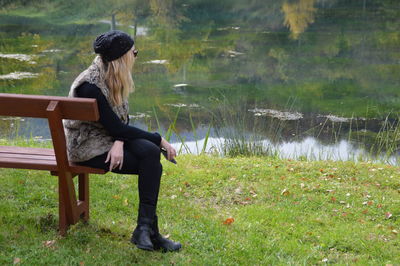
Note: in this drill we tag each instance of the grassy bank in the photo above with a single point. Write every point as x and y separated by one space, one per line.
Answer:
224 211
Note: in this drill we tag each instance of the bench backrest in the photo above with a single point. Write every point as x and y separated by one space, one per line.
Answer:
35 106
54 109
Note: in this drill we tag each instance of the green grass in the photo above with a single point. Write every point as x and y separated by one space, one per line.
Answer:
285 212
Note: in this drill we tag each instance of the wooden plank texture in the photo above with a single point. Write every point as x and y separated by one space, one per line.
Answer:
49 165
35 106
17 156
26 150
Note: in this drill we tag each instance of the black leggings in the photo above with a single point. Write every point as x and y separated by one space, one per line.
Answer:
141 157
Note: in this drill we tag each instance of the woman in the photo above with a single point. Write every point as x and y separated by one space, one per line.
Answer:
111 143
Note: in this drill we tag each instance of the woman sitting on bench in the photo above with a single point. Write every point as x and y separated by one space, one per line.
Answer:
111 143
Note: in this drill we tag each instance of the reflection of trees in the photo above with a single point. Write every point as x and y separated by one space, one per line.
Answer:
31 44
298 15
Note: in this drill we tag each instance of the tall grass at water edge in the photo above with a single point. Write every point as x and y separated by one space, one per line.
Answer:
242 134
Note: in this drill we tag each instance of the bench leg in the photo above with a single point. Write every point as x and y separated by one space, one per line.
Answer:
84 195
68 210
62 223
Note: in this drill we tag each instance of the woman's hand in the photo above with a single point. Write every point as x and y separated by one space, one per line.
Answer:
171 152
116 155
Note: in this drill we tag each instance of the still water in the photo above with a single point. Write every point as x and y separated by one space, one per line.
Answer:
303 78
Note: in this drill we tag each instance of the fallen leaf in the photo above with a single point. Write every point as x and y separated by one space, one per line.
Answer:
379 206
173 196
229 221
285 192
17 260
333 199
186 184
81 263
116 197
186 194
395 232
126 202
49 243
302 185
248 199
365 211
369 203
388 215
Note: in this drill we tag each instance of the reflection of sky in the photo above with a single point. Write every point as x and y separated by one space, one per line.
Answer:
309 147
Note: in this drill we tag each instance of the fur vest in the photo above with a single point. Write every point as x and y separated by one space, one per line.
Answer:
86 140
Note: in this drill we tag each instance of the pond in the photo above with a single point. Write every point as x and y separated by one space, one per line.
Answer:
313 79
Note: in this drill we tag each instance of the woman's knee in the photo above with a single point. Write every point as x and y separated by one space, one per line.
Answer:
146 149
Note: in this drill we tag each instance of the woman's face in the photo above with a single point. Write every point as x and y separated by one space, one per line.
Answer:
135 52
133 55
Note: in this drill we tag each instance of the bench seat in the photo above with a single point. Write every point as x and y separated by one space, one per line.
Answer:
37 159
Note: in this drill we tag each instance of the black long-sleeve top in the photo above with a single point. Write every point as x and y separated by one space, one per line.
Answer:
110 121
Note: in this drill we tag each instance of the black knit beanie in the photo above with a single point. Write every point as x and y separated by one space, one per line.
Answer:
112 44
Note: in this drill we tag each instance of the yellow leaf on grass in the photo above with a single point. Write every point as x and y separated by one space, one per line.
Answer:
126 202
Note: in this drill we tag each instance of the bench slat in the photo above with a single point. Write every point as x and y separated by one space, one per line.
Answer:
17 156
35 106
50 165
84 169
26 150
37 159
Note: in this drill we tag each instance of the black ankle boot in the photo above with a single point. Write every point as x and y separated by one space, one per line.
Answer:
160 242
143 231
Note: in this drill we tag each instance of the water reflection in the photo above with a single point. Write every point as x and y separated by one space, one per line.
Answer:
293 70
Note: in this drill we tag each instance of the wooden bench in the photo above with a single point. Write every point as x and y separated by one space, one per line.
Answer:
54 160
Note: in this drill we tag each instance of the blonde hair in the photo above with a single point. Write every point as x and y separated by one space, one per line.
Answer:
118 77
